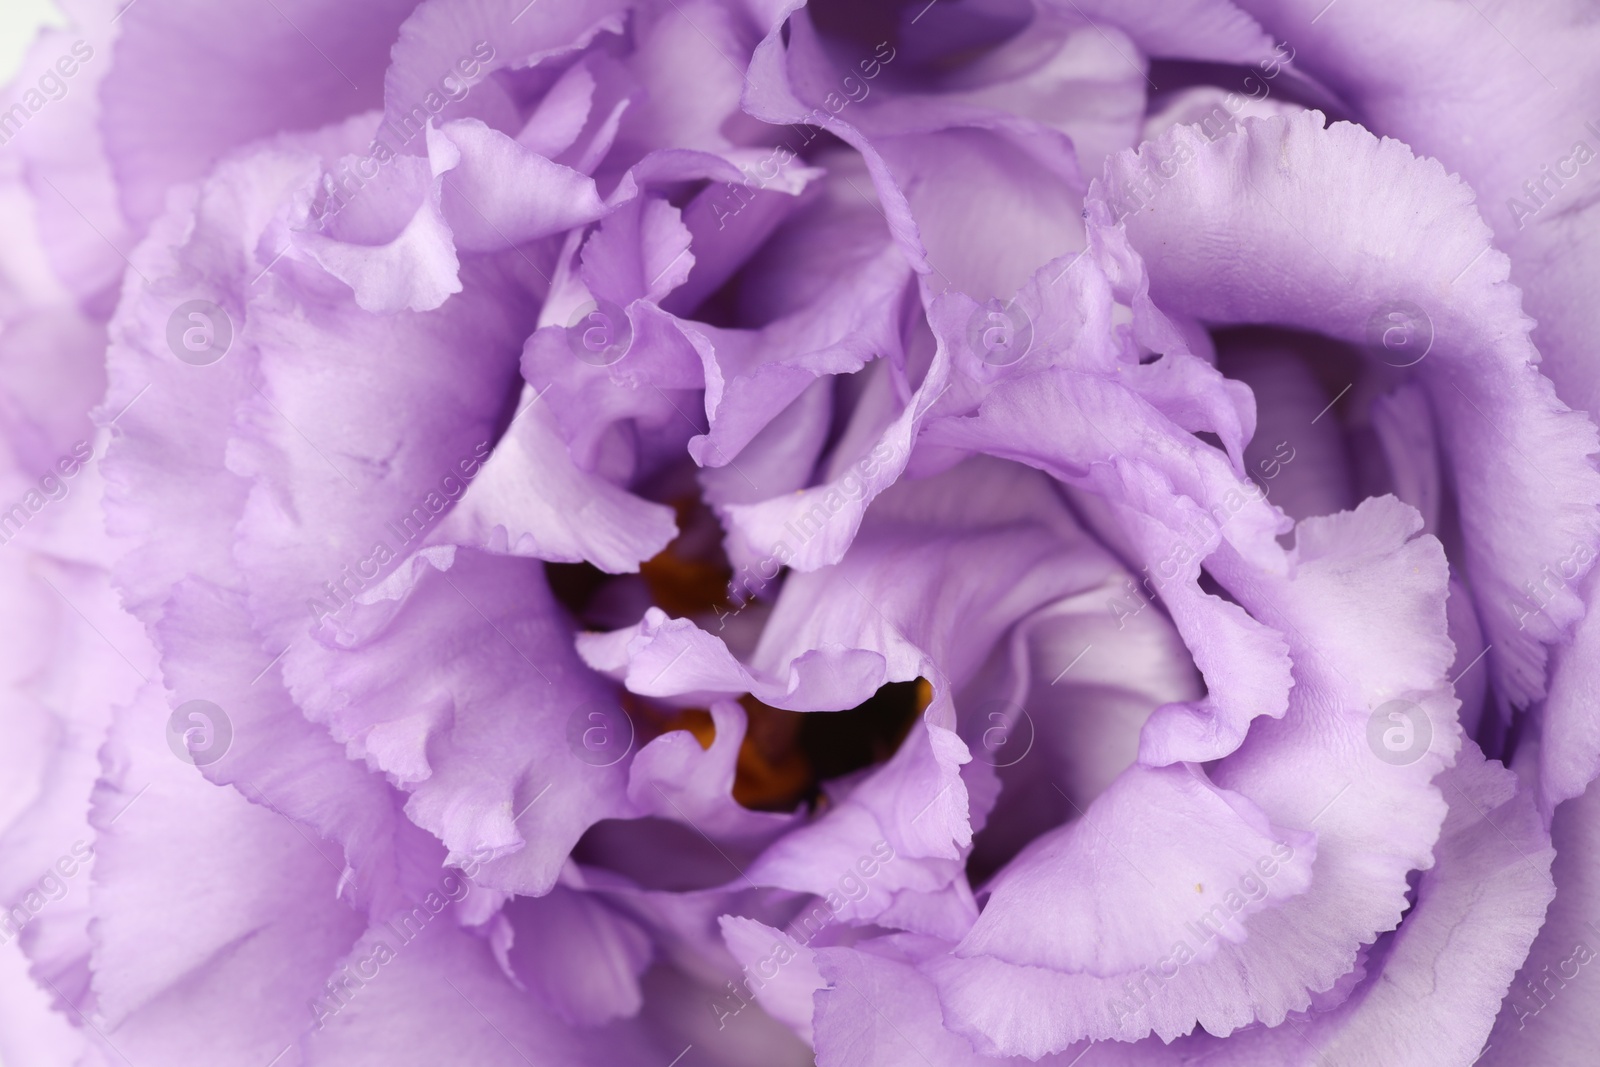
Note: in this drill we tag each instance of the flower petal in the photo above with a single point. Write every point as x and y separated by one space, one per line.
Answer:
674 777
198 893
1046 907
189 81
577 955
1413 244
442 998
478 729
1357 573
1549 1012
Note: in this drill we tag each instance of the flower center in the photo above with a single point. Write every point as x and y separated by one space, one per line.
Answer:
785 756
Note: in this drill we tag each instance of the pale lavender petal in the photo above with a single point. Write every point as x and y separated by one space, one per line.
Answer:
482 732
189 82
1513 523
564 926
1363 855
674 777
237 895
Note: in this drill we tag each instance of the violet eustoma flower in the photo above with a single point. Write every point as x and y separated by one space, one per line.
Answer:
721 532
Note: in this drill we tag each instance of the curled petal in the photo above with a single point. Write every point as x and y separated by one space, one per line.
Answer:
1415 259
